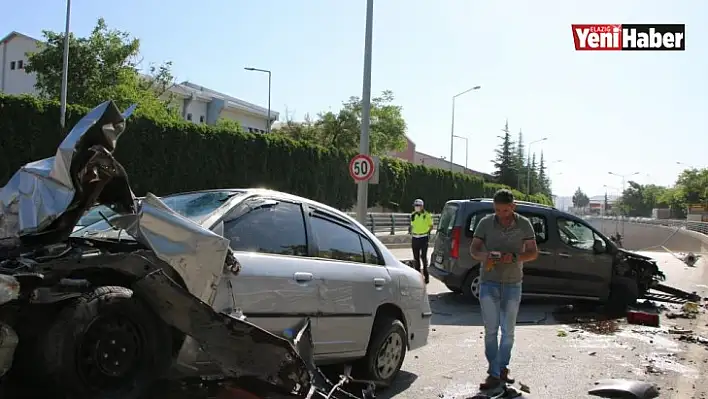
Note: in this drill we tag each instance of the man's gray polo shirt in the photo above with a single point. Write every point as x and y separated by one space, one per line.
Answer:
506 240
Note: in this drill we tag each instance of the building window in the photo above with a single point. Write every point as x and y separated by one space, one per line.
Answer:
20 64
12 65
189 117
201 119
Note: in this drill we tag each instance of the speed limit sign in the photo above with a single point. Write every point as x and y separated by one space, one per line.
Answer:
361 167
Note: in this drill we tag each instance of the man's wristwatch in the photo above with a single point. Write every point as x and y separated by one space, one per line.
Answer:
514 257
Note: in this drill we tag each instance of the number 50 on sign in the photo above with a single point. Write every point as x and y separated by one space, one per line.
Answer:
364 168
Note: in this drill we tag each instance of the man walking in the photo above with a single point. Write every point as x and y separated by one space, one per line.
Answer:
502 243
421 226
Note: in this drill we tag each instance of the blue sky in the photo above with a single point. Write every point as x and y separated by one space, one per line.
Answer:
616 111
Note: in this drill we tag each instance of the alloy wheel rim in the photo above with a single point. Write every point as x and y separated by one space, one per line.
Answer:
389 355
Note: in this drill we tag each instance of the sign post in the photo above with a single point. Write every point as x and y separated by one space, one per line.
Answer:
362 194
362 168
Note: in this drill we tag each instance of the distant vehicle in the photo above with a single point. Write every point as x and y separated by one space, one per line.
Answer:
575 260
299 258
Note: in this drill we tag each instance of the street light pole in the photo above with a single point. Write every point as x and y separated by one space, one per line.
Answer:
467 152
452 128
362 194
269 80
528 167
65 69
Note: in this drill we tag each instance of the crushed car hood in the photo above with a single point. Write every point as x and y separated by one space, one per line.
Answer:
634 254
43 201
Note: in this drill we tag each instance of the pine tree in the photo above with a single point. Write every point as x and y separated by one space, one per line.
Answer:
504 162
543 184
520 164
533 188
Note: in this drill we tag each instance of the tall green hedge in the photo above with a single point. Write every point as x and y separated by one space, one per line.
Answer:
171 157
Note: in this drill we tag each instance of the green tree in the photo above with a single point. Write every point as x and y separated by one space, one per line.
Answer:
580 199
504 163
606 204
543 183
533 175
694 184
342 129
230 125
102 66
520 162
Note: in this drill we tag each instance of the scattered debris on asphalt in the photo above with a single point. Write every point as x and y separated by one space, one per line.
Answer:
588 318
695 339
689 310
690 259
644 318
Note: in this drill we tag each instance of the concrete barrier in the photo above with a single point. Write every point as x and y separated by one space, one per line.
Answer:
647 237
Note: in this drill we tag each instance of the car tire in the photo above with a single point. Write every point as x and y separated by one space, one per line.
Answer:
624 292
103 338
456 290
386 352
470 287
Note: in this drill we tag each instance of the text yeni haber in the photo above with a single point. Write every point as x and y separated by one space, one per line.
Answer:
634 37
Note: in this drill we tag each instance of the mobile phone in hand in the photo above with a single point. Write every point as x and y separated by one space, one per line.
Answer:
495 255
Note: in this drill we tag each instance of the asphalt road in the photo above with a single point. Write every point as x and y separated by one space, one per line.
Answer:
556 359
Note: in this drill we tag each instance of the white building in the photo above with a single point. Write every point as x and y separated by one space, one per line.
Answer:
194 102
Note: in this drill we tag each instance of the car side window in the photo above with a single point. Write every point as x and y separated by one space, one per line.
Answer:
447 219
336 242
371 256
540 226
474 221
576 234
277 227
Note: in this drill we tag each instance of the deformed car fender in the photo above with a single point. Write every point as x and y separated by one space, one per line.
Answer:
243 350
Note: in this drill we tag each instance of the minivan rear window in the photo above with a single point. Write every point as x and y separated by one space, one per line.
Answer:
447 219
474 221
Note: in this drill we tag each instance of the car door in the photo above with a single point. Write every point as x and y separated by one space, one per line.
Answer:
581 272
277 287
354 283
539 275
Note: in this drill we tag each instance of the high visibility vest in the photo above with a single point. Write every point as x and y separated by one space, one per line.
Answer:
420 223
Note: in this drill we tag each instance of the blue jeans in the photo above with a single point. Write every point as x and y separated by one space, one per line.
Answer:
500 306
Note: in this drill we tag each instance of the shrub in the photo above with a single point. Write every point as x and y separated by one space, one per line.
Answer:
169 157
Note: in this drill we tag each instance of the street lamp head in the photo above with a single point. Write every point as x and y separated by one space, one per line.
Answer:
249 69
544 139
476 87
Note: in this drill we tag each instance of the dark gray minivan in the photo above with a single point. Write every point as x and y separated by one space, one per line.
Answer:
575 260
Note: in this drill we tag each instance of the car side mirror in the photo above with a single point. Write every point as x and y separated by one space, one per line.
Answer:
599 247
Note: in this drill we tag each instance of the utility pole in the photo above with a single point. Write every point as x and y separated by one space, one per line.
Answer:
362 193
65 69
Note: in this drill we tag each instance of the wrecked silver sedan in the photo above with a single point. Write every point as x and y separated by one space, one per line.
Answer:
107 318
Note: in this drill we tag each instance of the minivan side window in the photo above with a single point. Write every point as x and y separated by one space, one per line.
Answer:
275 229
576 234
336 242
540 226
447 219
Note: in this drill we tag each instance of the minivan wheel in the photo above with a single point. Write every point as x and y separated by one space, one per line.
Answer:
386 352
470 288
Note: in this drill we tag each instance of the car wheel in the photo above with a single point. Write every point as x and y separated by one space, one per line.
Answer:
624 292
106 344
470 288
386 352
456 290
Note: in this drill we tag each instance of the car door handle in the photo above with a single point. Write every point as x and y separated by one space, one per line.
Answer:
564 255
544 253
379 282
302 277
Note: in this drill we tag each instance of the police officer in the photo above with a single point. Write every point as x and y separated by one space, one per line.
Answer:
421 226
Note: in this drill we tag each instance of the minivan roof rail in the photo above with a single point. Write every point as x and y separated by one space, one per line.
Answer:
525 203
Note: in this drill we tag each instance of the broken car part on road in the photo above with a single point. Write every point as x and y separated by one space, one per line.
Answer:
82 313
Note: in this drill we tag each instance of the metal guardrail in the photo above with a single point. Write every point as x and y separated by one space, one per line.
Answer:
700 227
390 223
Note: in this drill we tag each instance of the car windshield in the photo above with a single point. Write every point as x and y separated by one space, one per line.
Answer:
194 206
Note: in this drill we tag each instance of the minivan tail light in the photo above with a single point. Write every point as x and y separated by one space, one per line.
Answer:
455 244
